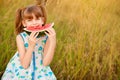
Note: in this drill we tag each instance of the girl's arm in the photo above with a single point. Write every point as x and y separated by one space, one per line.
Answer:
26 55
49 48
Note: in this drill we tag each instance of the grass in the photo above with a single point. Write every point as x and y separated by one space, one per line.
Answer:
88 37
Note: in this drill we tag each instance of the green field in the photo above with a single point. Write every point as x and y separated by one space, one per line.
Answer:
88 37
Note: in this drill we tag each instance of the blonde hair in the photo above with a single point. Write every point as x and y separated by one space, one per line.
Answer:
26 13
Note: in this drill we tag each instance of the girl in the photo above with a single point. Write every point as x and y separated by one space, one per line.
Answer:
31 61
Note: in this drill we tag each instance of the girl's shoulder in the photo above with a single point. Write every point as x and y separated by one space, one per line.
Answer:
21 36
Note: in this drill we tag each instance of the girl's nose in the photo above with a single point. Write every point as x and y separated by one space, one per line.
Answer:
34 21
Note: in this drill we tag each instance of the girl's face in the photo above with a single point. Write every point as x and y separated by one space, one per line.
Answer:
33 22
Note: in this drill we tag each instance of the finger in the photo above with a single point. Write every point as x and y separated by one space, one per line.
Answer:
36 35
50 35
32 34
46 32
30 39
37 39
49 31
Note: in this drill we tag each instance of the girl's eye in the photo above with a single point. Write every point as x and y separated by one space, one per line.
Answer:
28 20
38 19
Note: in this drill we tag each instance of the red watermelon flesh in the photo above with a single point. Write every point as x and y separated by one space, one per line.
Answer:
39 28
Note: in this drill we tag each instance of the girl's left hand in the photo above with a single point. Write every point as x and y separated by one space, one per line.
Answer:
51 34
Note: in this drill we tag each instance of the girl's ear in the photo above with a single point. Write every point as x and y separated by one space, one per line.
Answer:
23 22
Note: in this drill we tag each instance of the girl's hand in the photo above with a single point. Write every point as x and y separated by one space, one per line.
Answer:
33 39
51 35
50 45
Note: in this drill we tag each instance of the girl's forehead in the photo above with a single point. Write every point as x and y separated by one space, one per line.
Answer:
32 16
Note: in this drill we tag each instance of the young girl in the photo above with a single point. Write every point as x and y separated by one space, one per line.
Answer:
31 61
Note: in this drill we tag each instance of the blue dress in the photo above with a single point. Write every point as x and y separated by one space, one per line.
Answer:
36 70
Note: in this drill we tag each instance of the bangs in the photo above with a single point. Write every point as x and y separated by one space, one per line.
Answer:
28 13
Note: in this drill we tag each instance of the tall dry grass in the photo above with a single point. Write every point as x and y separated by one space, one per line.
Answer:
88 37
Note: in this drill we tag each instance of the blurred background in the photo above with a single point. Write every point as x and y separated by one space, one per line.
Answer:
88 37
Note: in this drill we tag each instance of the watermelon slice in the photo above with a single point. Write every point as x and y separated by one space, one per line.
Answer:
39 28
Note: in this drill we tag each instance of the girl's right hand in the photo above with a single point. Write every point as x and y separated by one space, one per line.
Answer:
33 39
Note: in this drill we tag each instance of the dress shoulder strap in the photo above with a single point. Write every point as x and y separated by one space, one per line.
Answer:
24 37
